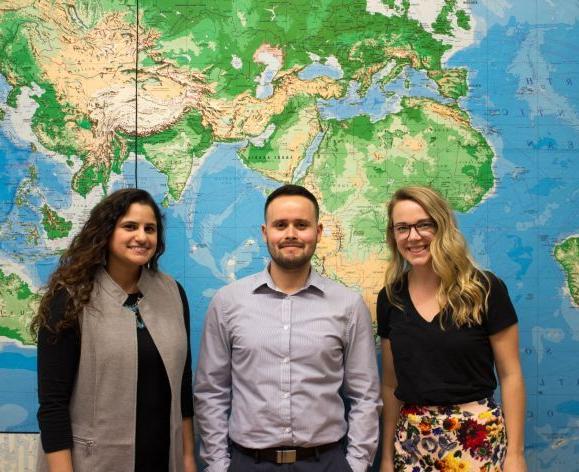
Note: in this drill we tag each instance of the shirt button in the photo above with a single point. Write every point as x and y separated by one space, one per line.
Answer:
286 395
285 360
288 430
286 327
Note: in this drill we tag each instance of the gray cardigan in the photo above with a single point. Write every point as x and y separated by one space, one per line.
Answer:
103 402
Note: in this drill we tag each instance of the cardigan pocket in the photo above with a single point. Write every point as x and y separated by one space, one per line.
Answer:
83 446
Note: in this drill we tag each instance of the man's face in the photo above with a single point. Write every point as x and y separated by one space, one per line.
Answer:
291 231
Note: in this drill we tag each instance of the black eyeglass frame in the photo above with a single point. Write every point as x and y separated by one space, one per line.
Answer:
430 228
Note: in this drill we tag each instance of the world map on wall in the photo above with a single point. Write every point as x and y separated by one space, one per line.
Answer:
211 105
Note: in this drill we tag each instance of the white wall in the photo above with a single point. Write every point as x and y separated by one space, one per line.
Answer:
18 452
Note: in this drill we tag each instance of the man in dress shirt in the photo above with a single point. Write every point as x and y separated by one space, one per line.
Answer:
278 349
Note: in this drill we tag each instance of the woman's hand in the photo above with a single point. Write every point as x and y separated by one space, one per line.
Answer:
505 345
515 463
189 464
386 466
391 409
59 461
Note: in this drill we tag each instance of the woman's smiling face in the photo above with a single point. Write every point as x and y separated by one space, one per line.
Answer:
414 230
134 240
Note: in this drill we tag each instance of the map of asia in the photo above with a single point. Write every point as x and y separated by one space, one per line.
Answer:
210 105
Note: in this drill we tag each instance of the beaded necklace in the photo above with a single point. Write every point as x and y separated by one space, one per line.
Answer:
134 307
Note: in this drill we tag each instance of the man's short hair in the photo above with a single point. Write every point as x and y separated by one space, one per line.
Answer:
292 190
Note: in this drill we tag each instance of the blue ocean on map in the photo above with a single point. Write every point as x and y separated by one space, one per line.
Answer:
380 100
518 225
17 364
317 69
19 162
18 388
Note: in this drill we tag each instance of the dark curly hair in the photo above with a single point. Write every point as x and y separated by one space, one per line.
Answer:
87 252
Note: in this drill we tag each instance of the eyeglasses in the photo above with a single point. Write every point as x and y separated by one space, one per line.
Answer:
423 228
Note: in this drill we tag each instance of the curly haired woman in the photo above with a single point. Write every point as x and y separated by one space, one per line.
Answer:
114 368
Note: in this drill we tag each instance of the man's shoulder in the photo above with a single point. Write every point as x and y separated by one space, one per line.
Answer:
335 288
243 286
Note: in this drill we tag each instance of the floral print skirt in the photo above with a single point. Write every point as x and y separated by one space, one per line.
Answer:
469 437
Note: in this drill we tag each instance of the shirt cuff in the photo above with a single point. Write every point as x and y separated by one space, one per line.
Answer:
219 466
357 465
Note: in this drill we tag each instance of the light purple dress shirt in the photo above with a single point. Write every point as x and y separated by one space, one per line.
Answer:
272 365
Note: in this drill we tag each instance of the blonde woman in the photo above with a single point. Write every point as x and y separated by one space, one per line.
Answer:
445 325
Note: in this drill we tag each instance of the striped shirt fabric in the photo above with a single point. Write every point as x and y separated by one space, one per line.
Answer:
273 366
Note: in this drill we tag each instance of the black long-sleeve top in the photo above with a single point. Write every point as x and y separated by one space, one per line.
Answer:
58 361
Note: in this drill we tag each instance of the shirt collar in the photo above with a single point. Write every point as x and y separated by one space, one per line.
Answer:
263 278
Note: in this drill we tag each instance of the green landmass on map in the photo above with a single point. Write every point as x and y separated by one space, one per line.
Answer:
205 36
425 143
567 255
94 174
293 132
18 63
463 19
165 150
56 226
443 23
452 83
17 306
26 187
56 122
91 11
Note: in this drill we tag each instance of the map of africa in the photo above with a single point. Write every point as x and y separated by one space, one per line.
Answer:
211 105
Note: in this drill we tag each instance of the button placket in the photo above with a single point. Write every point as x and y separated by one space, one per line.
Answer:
285 369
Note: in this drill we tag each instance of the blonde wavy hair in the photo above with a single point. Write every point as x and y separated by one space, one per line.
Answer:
464 288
